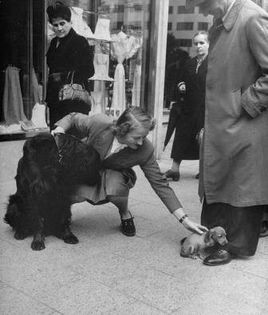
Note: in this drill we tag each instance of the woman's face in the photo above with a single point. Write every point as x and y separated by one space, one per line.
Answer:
134 138
61 27
201 45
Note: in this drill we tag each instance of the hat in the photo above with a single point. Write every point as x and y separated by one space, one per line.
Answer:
192 3
102 29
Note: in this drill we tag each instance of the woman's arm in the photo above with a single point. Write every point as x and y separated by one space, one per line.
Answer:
166 194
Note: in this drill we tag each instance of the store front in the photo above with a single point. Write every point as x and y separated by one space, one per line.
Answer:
124 36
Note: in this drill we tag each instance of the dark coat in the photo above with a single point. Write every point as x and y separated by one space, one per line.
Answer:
190 113
72 54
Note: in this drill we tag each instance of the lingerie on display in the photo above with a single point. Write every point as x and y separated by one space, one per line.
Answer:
123 47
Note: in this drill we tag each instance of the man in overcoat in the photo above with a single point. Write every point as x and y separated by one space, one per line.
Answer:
234 159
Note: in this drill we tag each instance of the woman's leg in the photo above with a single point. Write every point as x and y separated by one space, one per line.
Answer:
122 204
117 188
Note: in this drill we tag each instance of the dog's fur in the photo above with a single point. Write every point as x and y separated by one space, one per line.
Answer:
41 204
194 245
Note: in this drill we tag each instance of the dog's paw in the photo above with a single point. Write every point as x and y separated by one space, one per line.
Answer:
70 239
20 235
38 245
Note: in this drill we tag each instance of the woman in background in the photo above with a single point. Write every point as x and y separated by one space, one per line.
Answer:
191 96
68 53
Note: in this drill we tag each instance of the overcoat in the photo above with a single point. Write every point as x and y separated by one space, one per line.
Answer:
71 53
234 163
191 118
98 131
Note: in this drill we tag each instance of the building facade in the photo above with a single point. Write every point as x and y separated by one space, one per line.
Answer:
183 23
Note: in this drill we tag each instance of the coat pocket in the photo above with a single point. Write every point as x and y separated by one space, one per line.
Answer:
236 103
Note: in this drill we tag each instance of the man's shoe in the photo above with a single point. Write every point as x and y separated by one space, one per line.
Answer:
128 227
220 257
264 229
175 176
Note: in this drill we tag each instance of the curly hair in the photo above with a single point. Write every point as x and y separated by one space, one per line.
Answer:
59 10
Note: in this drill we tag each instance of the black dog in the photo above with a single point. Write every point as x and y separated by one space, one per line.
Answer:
42 204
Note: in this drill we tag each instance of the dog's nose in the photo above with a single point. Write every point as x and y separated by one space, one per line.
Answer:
225 242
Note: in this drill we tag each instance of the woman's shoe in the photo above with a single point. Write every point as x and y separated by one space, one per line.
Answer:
175 176
128 226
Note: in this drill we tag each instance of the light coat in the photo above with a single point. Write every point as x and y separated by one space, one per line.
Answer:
234 162
98 131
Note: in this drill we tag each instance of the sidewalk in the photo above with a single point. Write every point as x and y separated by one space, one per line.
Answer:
109 273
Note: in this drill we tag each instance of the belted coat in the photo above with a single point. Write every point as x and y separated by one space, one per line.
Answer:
234 159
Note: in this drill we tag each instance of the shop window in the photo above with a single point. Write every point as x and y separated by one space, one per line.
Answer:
128 54
22 67
185 26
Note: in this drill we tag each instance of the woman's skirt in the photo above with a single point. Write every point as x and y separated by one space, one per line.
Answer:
112 183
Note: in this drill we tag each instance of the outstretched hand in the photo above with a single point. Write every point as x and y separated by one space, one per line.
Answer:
194 227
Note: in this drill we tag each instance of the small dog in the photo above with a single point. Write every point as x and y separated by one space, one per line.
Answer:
41 205
194 245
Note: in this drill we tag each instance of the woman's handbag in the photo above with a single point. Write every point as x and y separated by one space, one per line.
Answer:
74 91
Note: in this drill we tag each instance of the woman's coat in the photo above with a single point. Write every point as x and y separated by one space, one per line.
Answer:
234 166
97 130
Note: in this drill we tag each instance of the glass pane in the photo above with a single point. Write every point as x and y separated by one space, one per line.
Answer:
21 64
120 38
129 27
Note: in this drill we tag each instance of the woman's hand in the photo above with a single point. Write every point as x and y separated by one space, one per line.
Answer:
182 87
57 130
194 227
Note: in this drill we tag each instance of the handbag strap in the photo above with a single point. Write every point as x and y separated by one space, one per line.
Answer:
72 76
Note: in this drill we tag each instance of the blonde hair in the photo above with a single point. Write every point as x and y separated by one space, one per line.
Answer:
131 118
201 33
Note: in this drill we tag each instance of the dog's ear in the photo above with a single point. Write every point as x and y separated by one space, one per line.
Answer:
209 239
208 236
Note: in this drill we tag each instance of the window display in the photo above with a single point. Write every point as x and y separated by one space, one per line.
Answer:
22 79
118 33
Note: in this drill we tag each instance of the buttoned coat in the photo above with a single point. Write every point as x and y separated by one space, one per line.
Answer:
234 164
98 131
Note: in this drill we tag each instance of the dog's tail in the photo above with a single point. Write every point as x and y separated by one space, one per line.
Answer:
183 240
13 214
